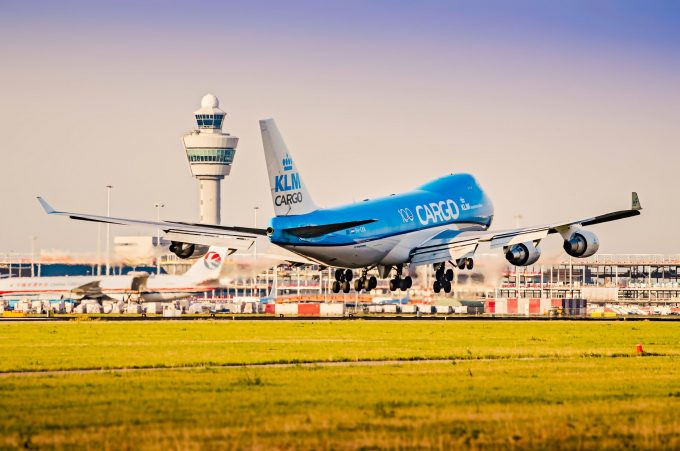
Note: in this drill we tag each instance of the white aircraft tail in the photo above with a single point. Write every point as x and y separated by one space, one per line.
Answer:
274 292
289 194
208 267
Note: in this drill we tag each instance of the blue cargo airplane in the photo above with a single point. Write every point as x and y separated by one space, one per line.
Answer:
443 221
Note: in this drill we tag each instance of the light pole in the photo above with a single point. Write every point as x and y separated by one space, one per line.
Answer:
108 229
255 208
33 239
99 249
158 236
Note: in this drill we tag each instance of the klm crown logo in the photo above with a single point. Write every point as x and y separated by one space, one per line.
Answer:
287 163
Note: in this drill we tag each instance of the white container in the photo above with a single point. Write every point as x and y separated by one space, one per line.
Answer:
153 308
522 306
333 309
409 308
426 309
133 308
170 311
546 305
93 308
375 309
289 308
390 308
443 309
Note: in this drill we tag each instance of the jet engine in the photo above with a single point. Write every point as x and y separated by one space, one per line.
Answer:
188 250
523 254
581 244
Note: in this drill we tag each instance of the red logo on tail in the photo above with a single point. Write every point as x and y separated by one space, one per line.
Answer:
212 260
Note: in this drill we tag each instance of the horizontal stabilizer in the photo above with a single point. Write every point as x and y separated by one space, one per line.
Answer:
320 230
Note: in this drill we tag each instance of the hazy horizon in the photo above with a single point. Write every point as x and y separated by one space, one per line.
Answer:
560 111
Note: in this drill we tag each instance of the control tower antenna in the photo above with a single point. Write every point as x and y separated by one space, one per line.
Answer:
210 152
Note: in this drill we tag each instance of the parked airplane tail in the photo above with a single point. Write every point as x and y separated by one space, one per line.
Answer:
289 193
209 266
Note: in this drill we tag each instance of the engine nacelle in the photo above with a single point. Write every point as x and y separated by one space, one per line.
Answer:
581 244
522 254
188 250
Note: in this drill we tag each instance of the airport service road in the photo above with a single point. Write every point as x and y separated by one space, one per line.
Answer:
260 365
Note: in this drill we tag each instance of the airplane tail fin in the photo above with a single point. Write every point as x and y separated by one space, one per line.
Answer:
289 193
208 267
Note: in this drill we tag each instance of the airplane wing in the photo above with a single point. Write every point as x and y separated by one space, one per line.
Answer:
445 246
451 245
236 238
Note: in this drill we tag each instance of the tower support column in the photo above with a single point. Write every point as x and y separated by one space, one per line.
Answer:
210 199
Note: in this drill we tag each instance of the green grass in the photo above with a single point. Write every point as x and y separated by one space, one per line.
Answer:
580 386
92 344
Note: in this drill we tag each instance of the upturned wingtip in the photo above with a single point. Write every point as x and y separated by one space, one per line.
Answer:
47 207
636 202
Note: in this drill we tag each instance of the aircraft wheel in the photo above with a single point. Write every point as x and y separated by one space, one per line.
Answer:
367 285
348 275
461 263
447 287
372 283
358 284
394 284
449 274
439 275
338 274
345 287
335 288
407 282
403 284
437 286
469 263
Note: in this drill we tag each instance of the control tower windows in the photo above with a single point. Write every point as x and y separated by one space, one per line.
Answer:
209 120
221 156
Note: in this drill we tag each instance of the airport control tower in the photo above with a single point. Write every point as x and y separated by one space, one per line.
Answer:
210 152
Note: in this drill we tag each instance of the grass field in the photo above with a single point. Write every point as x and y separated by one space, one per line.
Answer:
508 385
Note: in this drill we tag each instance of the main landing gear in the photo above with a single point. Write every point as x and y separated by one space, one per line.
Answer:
343 277
398 283
443 277
364 282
